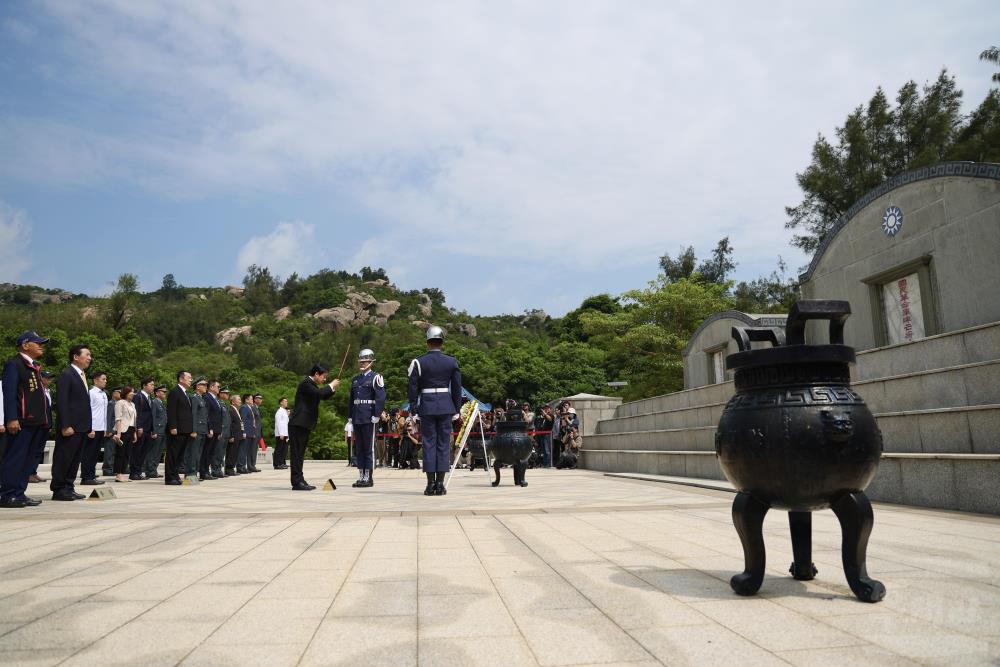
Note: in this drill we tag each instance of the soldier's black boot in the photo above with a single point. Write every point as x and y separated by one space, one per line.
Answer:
370 478
429 491
439 489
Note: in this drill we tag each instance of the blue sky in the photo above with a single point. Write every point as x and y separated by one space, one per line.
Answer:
516 155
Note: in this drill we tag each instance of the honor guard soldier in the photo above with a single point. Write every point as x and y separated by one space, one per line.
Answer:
367 400
435 393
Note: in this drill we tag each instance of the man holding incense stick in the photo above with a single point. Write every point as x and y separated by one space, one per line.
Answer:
310 392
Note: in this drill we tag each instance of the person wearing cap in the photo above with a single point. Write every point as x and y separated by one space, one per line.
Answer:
158 438
73 425
26 412
281 434
199 415
236 436
311 390
366 403
435 392
218 460
37 457
108 460
180 427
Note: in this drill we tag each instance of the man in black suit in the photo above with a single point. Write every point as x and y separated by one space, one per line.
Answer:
143 428
236 436
211 399
309 393
180 427
73 423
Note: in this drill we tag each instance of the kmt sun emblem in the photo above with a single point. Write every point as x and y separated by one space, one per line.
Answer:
892 221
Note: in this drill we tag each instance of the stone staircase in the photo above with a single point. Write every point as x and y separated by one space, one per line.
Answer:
937 402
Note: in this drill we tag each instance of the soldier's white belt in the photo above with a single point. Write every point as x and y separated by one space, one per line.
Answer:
359 401
435 390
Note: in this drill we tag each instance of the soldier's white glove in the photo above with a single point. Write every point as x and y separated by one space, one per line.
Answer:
456 417
374 420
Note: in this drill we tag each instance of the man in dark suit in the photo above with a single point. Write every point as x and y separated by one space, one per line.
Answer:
434 380
214 430
26 411
258 425
235 436
248 446
73 424
158 438
309 393
180 427
143 428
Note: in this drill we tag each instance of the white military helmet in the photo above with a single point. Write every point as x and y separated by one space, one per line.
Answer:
435 333
366 355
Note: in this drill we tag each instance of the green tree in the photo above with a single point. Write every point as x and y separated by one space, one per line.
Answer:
875 143
170 290
979 140
260 289
768 294
720 264
644 340
122 299
680 267
992 55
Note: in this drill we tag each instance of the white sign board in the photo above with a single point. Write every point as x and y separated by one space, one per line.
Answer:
904 314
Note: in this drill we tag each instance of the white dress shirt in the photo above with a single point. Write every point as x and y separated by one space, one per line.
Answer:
98 409
281 423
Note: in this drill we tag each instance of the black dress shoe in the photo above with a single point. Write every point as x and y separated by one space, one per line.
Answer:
92 482
12 503
78 496
64 496
173 482
135 478
31 502
302 486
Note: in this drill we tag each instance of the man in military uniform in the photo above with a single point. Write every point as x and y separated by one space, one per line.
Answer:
158 438
225 428
199 414
366 403
26 412
435 393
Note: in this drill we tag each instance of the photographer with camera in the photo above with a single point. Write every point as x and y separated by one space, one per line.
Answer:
567 421
544 421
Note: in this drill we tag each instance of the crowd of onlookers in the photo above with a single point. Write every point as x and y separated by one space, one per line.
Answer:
555 432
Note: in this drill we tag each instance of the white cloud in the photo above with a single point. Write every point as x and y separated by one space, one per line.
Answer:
291 247
581 133
15 237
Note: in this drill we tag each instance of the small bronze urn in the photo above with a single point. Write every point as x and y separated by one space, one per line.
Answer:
797 437
511 445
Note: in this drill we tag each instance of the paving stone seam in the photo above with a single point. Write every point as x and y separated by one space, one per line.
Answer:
579 592
69 604
70 550
496 590
865 641
333 599
252 597
196 548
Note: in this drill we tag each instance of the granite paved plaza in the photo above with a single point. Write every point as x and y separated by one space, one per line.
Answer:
578 568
